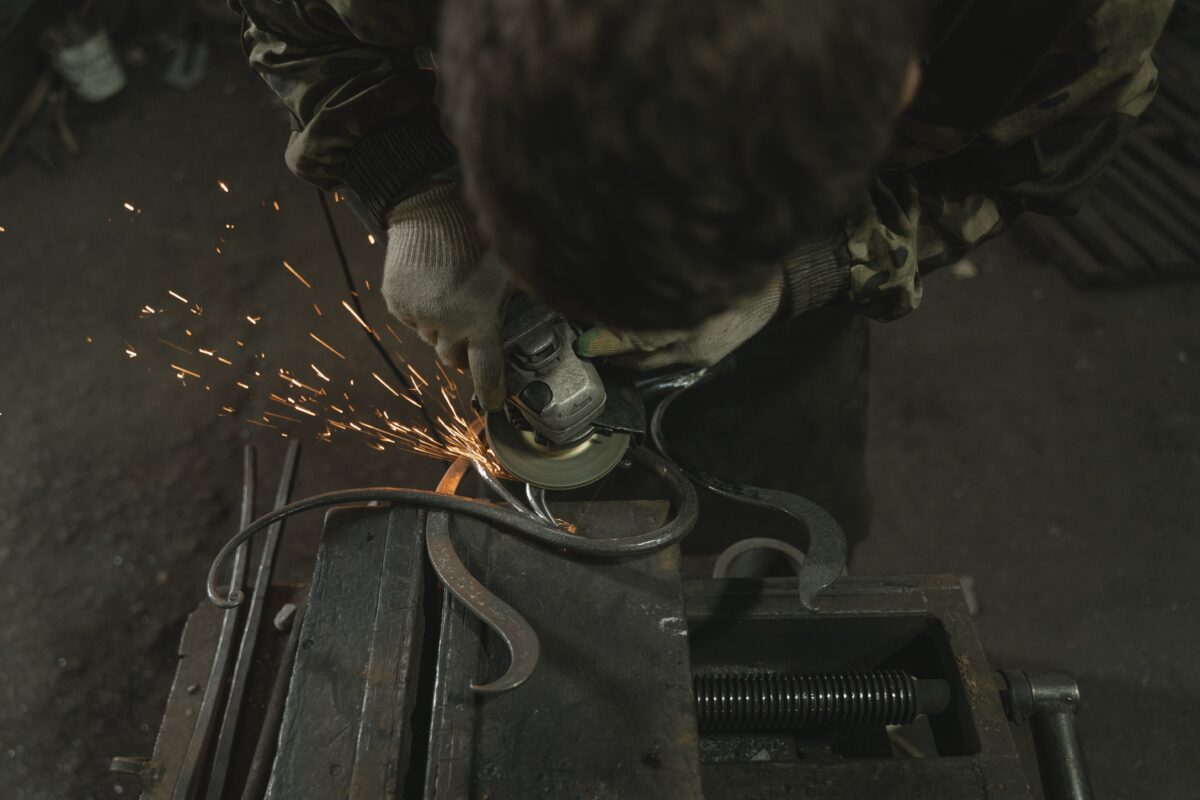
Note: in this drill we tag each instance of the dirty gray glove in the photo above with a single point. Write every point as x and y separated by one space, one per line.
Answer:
703 345
438 280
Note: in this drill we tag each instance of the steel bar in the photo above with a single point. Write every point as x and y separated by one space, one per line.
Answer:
679 491
254 611
504 494
264 749
1060 757
516 633
1049 702
536 496
825 559
191 773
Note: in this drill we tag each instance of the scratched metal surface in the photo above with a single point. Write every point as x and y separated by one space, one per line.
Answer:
608 712
345 730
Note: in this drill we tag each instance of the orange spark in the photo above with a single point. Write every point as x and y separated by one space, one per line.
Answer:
317 309
357 318
299 277
385 384
224 188
183 371
320 374
177 296
177 347
129 207
243 385
370 236
417 375
324 344
290 379
129 351
275 204
253 321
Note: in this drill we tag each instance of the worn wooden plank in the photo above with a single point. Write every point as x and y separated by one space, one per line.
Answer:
196 648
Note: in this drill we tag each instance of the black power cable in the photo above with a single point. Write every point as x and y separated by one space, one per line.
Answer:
405 381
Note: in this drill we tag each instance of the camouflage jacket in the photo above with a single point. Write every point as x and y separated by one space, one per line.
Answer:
1022 103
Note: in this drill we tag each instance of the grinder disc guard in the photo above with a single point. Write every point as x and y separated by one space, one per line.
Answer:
552 467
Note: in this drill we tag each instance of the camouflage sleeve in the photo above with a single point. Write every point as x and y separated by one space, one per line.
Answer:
362 110
1040 155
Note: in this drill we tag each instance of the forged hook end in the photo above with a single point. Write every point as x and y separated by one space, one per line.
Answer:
233 600
524 660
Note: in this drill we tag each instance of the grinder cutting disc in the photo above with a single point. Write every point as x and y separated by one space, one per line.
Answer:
554 467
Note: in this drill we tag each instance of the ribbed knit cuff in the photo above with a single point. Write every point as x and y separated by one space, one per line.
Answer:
442 209
814 274
384 167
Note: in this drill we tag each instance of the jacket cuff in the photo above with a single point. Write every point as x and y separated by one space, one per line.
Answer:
385 167
815 274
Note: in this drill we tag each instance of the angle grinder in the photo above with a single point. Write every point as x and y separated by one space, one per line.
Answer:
564 425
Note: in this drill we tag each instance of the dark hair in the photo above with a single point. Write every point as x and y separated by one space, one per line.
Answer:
643 163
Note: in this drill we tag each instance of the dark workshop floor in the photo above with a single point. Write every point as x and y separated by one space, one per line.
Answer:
1042 439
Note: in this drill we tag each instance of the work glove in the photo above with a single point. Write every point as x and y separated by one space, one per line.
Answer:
438 280
704 345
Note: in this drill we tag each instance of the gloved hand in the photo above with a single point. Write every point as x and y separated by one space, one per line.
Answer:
438 281
703 345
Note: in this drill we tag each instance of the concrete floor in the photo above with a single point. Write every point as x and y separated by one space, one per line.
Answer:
1042 439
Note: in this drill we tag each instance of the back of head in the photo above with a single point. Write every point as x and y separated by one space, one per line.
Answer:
670 151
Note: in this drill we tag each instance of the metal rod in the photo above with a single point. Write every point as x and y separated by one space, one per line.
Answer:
188 784
1049 702
504 494
536 496
241 670
514 630
517 634
679 491
1059 755
264 750
825 559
